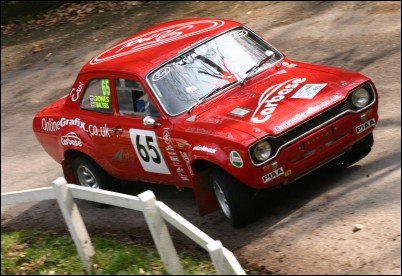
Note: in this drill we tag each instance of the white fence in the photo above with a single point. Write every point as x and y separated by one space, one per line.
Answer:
155 212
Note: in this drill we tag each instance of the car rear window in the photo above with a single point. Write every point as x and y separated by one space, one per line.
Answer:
97 96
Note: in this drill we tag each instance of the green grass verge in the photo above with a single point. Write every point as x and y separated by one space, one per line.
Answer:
40 253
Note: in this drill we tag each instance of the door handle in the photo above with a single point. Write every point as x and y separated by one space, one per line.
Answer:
116 129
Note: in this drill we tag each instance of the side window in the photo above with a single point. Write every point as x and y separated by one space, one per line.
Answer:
133 100
97 96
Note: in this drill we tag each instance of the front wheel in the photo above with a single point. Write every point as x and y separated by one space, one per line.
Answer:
234 198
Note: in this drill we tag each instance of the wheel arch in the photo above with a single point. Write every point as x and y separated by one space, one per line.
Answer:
203 162
67 164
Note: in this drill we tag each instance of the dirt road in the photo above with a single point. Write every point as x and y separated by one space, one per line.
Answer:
304 228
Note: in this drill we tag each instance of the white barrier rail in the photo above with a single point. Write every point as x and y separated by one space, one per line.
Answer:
155 213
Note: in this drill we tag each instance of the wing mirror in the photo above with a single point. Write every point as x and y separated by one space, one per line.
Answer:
149 121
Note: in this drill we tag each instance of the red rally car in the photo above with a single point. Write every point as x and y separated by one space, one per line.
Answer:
210 105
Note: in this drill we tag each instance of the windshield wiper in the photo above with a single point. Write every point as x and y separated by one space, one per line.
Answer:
206 96
250 71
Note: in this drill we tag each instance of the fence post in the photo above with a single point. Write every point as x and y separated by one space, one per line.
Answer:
160 234
74 222
224 264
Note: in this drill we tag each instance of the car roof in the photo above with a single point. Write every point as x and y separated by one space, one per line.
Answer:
146 50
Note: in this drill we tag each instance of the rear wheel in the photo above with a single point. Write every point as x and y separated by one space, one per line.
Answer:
89 174
234 198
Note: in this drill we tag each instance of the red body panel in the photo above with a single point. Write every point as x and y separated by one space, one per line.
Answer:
274 102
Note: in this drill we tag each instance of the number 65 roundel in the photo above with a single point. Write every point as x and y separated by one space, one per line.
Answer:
146 146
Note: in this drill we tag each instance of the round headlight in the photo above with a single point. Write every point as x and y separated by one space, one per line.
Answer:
262 151
360 97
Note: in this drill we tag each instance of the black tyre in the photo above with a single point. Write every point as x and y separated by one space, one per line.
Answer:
358 151
234 198
89 174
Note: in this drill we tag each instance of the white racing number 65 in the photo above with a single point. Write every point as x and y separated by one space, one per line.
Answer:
147 149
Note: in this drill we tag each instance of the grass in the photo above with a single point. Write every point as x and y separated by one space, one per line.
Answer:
41 253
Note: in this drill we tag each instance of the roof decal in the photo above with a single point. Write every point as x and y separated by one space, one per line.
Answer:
157 37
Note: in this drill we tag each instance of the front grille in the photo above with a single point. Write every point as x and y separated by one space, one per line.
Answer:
312 123
305 128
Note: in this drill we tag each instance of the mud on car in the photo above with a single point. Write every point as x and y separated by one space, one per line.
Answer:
206 104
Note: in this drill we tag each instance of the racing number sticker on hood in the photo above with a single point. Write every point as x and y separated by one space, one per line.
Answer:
148 152
308 91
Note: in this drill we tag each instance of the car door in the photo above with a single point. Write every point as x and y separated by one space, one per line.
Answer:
146 153
97 116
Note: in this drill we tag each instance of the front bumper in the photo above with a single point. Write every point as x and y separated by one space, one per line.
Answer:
314 150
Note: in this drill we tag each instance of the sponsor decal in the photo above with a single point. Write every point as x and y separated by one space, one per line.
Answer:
190 58
206 131
365 126
300 116
71 139
98 131
176 162
272 175
308 91
75 93
51 126
156 38
204 148
174 158
240 111
169 148
236 159
187 161
271 97
213 120
102 102
166 136
122 156
161 73
238 33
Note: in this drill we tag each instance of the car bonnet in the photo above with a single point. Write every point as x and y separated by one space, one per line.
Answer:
280 98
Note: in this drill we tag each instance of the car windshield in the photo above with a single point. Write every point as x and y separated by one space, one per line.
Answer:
200 72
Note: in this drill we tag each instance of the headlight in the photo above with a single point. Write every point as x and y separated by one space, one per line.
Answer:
360 97
262 151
